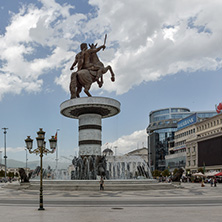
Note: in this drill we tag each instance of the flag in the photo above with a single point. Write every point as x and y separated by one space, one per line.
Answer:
218 108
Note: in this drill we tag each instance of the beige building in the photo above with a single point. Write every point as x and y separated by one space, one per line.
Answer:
142 152
205 148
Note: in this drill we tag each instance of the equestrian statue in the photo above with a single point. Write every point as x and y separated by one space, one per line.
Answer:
89 70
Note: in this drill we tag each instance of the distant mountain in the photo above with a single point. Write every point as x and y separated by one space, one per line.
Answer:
63 164
15 163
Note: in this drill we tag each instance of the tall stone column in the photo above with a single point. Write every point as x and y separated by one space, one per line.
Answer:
90 111
90 134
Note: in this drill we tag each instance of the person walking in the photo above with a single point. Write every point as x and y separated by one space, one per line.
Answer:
101 182
215 181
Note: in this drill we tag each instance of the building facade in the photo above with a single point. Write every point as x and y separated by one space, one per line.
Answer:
205 149
163 125
186 129
161 134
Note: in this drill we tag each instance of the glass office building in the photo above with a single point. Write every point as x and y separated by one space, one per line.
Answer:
163 124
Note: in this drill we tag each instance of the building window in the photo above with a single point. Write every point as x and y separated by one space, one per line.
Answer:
194 162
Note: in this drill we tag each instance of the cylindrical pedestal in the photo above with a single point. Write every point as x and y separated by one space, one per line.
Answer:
90 111
90 131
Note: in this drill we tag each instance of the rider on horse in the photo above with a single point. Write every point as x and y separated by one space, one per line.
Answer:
89 70
83 60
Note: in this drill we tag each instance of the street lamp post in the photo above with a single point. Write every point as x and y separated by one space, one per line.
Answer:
57 150
41 150
5 131
26 161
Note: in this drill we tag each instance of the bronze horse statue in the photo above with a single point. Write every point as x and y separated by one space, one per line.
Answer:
85 77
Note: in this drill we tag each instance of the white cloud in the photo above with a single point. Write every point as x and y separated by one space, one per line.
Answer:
30 31
127 143
160 38
146 41
13 150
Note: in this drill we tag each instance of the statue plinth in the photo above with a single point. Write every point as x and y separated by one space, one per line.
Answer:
90 111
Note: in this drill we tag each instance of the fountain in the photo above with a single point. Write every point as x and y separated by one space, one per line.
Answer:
90 111
127 167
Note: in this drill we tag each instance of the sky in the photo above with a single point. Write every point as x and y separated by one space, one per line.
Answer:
163 53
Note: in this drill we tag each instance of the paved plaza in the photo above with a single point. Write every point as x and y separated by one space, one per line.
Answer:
190 202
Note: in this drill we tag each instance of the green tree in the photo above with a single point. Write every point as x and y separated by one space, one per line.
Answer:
200 170
2 173
11 174
166 173
156 173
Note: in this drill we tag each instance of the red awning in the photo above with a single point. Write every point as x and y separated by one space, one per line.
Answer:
219 174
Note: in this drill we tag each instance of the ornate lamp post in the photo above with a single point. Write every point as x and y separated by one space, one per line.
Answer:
41 150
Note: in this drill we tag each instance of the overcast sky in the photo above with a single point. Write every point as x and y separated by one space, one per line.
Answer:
163 53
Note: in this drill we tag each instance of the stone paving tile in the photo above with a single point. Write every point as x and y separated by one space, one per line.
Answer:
126 213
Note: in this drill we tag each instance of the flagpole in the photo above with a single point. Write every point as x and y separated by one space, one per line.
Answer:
57 159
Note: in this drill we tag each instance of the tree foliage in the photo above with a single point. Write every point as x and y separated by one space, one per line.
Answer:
11 174
2 173
166 173
200 170
156 173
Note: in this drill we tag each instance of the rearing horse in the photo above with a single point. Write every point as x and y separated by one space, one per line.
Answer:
85 77
101 69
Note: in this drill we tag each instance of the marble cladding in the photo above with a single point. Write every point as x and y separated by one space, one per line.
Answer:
89 135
